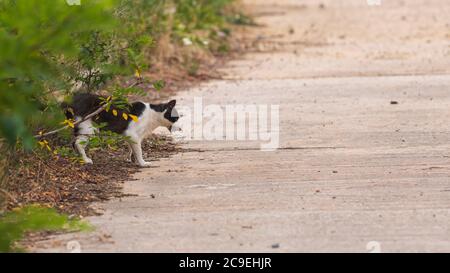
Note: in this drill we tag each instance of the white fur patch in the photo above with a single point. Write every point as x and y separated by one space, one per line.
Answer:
86 127
148 121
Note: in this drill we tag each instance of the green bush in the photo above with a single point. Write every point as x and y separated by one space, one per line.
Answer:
34 36
48 47
15 224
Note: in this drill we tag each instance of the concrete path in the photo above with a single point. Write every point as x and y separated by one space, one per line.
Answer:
364 163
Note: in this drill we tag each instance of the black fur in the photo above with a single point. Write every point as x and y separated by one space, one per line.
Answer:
84 104
118 124
171 114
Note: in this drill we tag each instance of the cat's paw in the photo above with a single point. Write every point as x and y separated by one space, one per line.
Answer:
88 161
144 164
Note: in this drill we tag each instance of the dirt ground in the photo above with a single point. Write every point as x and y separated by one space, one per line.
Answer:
364 162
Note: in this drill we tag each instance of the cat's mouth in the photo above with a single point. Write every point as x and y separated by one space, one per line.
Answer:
174 128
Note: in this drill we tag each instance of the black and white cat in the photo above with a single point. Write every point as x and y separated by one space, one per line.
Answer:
150 117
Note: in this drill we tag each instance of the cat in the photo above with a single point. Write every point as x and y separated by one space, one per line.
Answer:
149 117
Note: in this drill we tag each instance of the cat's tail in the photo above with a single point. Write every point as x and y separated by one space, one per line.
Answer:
68 111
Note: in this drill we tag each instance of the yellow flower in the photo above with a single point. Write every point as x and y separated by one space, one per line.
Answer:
134 118
137 74
44 144
69 123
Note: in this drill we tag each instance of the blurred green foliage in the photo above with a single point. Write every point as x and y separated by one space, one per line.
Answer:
47 48
15 224
200 14
34 36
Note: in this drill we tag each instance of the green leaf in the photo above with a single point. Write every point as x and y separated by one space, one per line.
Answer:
14 224
159 85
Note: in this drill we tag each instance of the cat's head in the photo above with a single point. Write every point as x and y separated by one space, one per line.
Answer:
168 114
171 114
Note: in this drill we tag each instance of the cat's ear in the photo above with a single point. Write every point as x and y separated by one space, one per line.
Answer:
171 104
